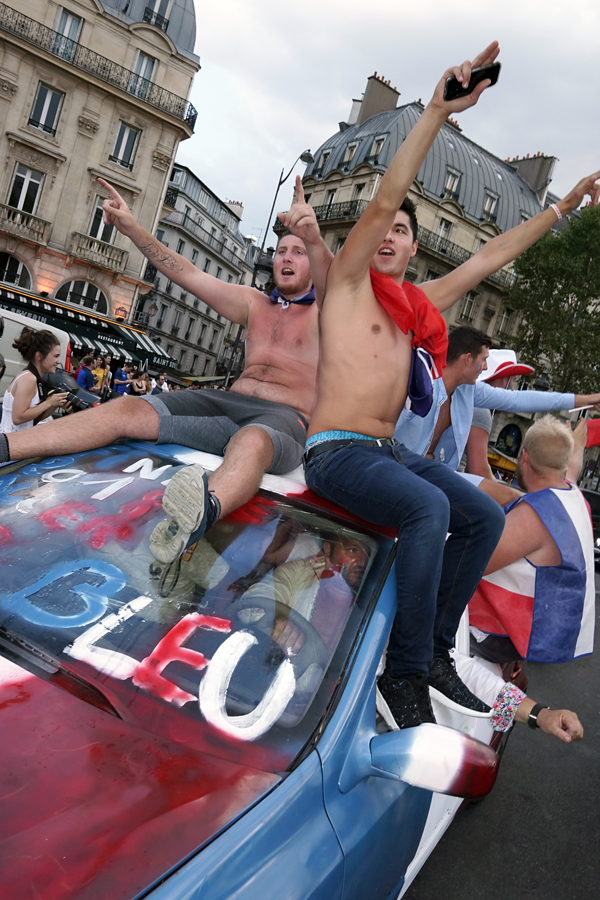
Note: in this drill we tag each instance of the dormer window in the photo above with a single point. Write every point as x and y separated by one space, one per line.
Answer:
451 185
350 151
324 157
377 147
490 205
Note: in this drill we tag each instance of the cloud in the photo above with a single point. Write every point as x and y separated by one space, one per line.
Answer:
276 79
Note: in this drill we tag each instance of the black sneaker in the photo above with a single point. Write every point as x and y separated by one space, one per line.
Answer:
445 679
404 701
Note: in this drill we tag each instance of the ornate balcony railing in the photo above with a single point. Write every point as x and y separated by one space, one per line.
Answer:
352 209
150 273
15 221
153 18
105 69
171 196
457 254
98 252
193 228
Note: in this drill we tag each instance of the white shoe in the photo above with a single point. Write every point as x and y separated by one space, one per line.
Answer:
185 504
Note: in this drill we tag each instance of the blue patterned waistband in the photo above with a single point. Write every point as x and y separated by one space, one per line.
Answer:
323 436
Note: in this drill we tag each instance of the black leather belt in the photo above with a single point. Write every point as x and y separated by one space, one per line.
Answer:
325 446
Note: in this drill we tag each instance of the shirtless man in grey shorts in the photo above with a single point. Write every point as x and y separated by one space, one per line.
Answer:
260 426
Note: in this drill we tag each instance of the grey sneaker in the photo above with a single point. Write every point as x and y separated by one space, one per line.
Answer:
185 503
445 679
404 702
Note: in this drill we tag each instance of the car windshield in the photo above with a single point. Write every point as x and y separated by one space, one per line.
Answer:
237 647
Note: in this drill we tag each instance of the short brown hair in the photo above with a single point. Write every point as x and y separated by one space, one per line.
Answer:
549 445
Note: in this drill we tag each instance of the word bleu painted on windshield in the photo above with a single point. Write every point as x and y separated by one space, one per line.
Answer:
147 674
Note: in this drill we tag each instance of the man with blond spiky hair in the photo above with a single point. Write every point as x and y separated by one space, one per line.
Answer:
537 598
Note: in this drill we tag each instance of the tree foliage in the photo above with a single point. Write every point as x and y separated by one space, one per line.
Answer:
557 292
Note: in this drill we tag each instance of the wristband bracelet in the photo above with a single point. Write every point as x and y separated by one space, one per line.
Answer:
556 210
532 717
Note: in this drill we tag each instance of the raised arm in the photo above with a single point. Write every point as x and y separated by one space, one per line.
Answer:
351 264
444 292
229 300
576 462
302 222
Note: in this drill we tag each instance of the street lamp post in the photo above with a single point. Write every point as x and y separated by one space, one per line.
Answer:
305 157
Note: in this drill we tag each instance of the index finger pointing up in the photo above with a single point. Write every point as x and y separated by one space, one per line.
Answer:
298 190
114 193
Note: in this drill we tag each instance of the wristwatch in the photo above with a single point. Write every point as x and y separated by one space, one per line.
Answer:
532 717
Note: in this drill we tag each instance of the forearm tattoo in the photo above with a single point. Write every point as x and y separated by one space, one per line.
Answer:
158 253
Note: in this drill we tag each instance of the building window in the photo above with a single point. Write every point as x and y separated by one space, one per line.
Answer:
12 271
176 323
68 28
230 329
25 189
207 264
190 328
350 151
83 293
97 227
194 363
125 146
202 333
229 279
206 365
213 338
196 303
340 243
180 246
219 271
469 305
161 318
140 80
525 216
170 349
451 185
204 198
46 109
490 204
444 229
431 275
358 192
160 235
323 161
505 323
181 358
377 146
157 13
329 199
194 256
168 286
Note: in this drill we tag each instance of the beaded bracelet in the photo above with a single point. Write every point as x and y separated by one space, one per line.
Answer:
505 707
556 210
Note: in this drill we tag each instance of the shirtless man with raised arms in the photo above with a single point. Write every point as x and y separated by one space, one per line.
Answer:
260 424
371 328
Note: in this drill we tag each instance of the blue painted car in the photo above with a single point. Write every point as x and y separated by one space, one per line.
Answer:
206 729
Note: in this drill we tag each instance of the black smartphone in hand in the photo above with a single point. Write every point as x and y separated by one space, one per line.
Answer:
454 89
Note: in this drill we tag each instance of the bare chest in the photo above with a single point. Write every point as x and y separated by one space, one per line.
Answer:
293 330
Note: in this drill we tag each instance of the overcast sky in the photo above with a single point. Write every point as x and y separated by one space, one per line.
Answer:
277 78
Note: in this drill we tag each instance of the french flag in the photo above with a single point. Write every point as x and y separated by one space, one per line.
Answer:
547 611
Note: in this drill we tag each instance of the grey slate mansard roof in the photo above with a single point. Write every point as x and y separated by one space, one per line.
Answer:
451 149
182 21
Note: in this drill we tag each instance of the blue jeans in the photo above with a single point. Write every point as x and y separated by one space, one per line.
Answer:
424 500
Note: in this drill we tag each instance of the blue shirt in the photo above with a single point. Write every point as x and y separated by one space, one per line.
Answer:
120 375
416 432
85 379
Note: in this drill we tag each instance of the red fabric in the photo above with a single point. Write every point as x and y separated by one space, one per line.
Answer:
593 432
412 310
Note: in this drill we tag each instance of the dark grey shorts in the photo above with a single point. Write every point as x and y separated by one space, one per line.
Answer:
207 420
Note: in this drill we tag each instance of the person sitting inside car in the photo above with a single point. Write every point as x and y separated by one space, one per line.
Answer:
321 588
536 600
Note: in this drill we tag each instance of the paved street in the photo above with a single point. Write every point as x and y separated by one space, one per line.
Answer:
538 833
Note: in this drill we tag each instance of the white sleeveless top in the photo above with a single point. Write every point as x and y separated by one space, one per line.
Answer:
7 425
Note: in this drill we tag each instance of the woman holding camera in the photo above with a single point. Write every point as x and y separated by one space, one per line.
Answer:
25 402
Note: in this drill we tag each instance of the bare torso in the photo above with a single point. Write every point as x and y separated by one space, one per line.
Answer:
365 364
282 353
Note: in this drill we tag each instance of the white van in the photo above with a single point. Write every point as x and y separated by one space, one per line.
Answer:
13 326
